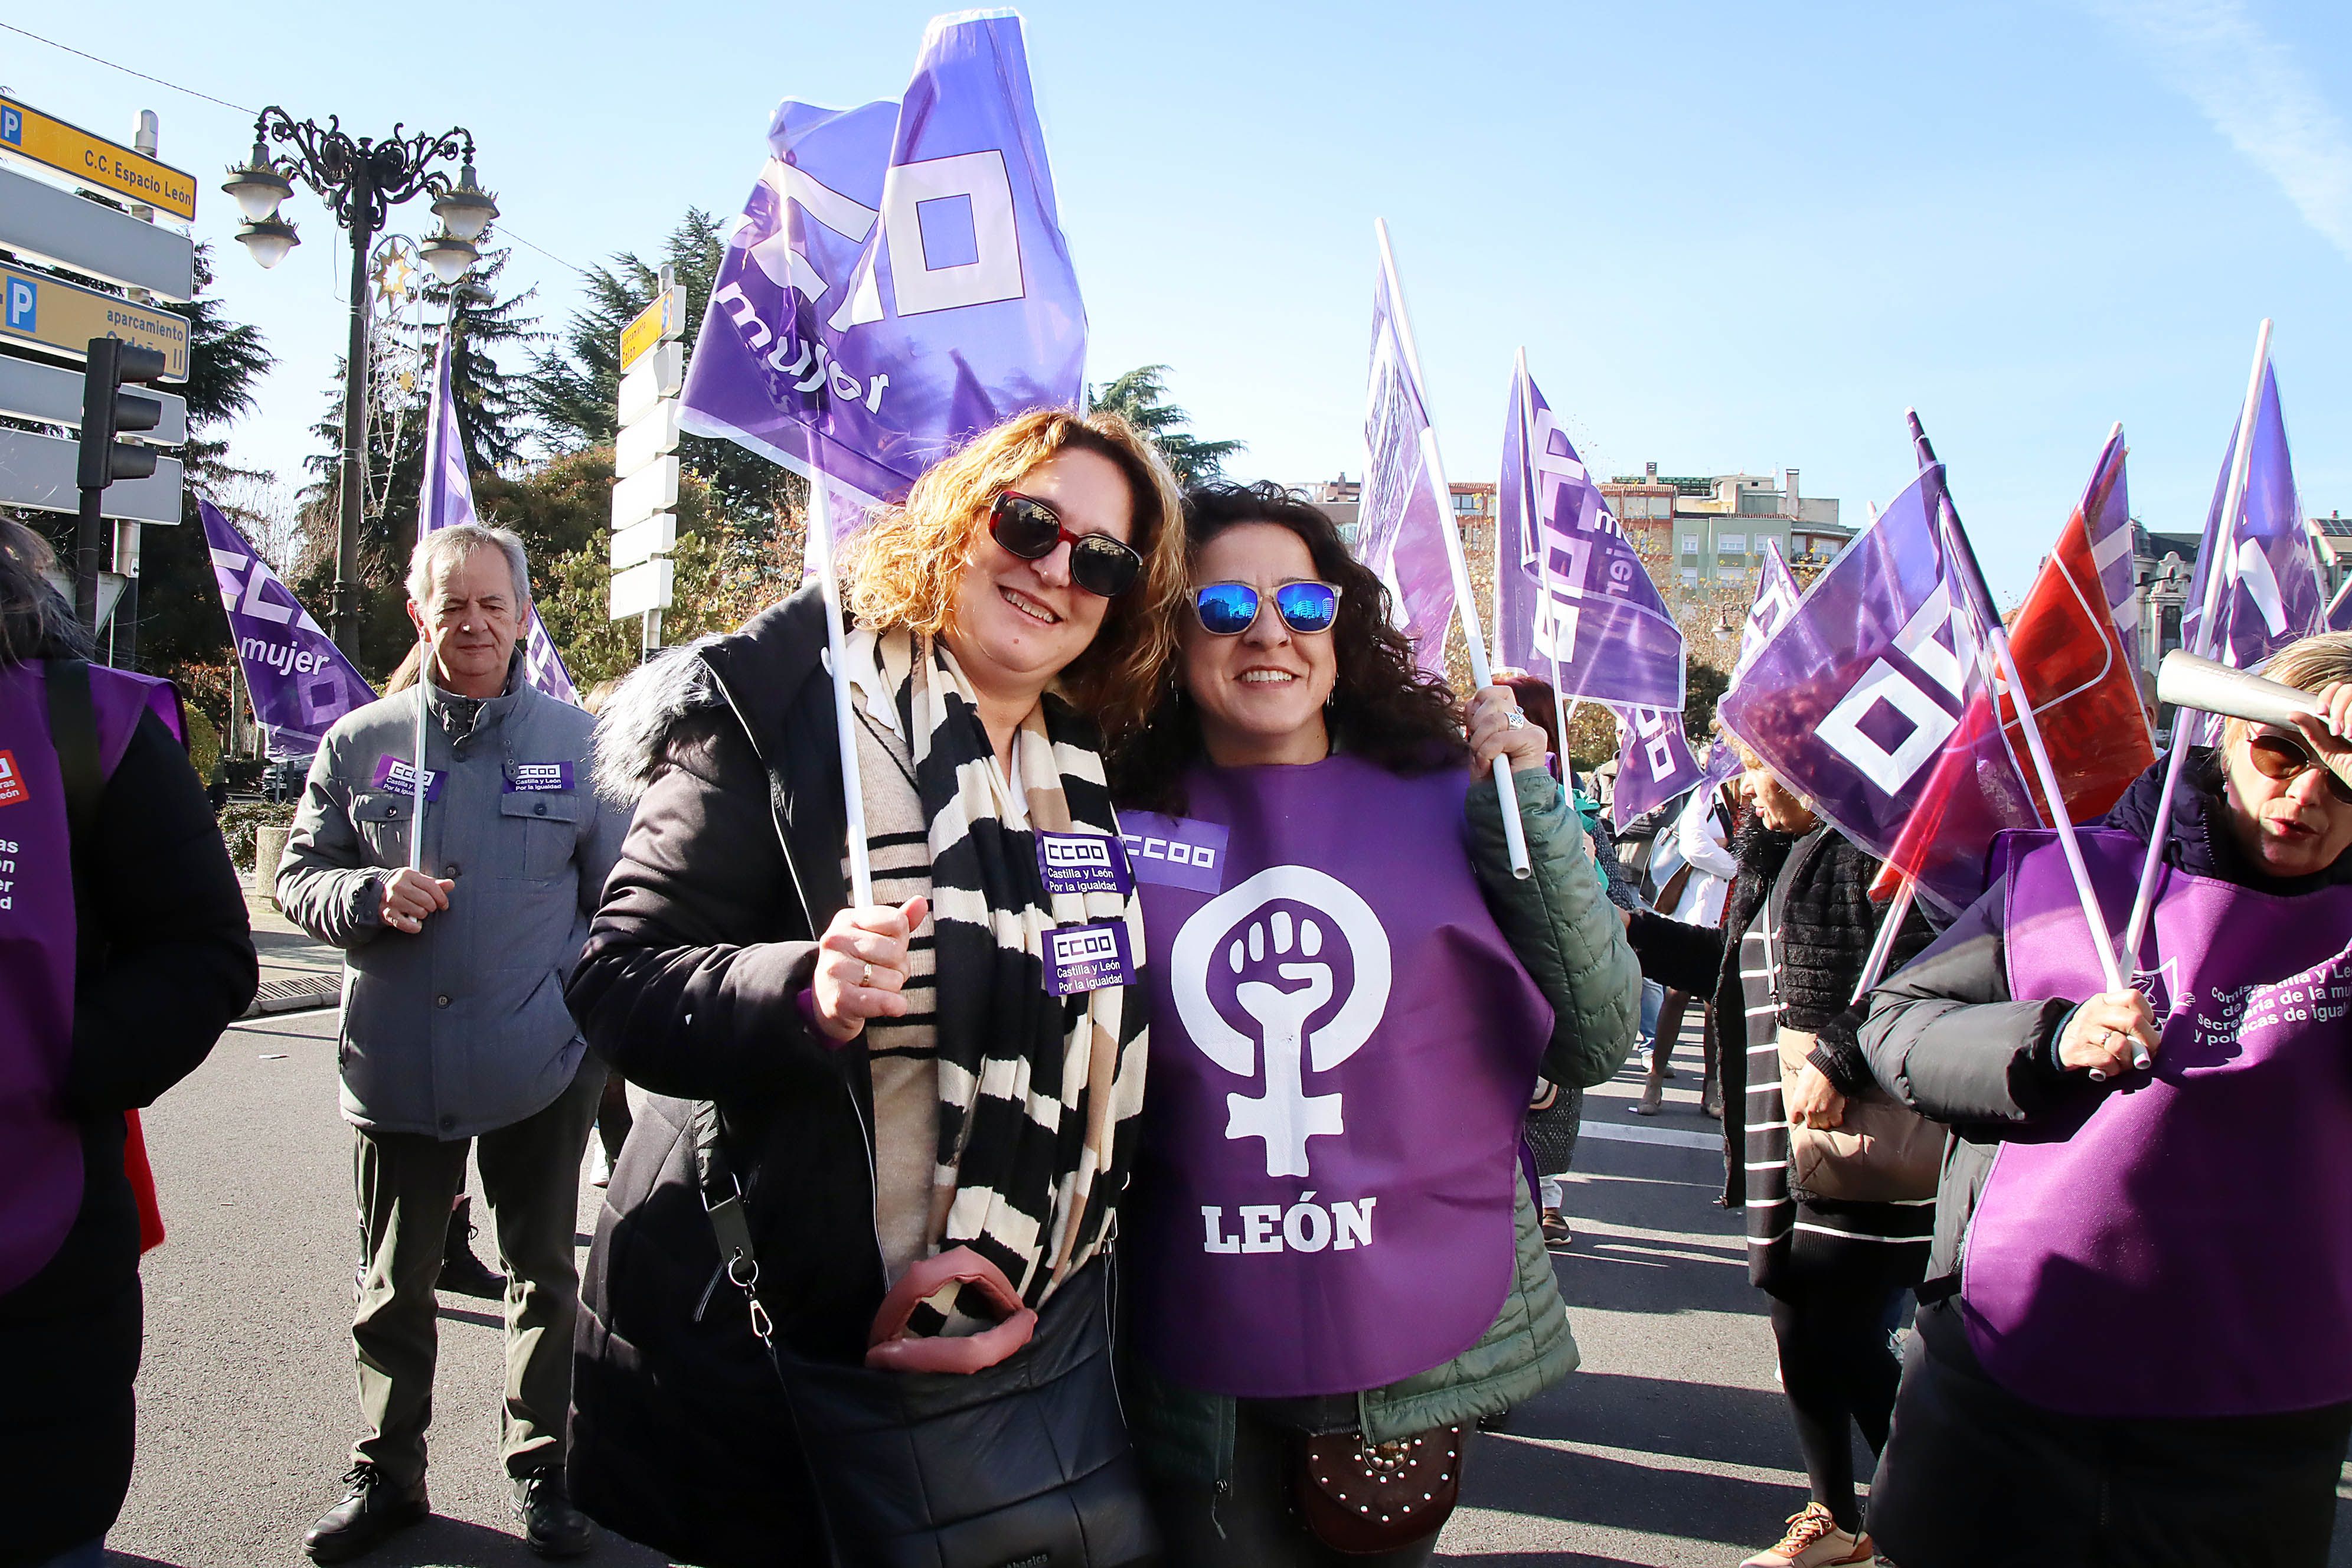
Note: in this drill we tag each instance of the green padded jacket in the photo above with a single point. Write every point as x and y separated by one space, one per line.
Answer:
1565 931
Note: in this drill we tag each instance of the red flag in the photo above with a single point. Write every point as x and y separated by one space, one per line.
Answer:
2078 671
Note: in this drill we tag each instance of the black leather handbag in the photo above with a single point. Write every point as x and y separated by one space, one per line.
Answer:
1024 1464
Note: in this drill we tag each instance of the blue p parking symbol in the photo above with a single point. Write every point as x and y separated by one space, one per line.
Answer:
24 302
12 127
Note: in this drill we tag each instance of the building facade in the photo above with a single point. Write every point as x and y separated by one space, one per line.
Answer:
2164 569
1699 530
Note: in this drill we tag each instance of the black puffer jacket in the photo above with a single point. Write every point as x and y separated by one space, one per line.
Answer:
689 987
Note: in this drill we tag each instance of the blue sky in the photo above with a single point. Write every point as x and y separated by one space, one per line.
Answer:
1729 236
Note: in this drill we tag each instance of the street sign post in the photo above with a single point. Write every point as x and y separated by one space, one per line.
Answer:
51 224
51 394
43 473
63 318
658 322
93 161
645 461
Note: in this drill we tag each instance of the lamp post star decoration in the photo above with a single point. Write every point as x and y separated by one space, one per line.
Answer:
360 180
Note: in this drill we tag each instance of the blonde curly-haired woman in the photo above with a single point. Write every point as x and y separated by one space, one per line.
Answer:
872 1190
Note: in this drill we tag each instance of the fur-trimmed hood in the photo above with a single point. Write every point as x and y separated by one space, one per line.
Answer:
635 726
757 673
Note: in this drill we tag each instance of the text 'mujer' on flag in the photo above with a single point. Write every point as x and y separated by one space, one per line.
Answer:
898 279
300 680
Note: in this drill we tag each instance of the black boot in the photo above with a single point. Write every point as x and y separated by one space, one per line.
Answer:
369 1513
550 1525
461 1272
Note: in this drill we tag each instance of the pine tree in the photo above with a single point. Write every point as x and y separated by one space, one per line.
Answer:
1142 394
575 386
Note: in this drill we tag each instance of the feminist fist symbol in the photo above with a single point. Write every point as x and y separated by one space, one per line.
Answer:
1286 1115
1239 921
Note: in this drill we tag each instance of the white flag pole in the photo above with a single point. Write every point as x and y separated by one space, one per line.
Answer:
416 778
1883 946
2217 555
1534 521
1963 556
844 717
1466 599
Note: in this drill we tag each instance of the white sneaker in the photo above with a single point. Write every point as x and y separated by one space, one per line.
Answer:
1814 1541
600 1168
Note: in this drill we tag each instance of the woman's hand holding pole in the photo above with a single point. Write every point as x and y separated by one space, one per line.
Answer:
1497 728
861 967
2109 1033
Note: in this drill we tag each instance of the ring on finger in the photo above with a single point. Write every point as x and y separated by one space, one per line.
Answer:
1517 720
865 975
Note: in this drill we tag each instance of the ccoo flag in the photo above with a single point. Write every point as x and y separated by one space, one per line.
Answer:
1653 762
900 280
2274 591
1856 697
446 499
1400 514
1777 597
1571 593
300 681
2069 644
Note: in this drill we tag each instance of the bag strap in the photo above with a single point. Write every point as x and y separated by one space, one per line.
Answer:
731 1226
73 735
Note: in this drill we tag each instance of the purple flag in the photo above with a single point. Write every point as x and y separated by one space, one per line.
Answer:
446 499
1854 698
1777 597
900 280
1572 595
2274 591
1653 762
1400 512
299 680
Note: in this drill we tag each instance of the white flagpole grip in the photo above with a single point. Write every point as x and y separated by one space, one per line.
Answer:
416 778
845 716
2216 550
1873 968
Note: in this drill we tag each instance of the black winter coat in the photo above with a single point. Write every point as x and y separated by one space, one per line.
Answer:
178 967
689 987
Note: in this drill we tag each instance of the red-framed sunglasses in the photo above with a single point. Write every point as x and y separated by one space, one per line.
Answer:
1031 529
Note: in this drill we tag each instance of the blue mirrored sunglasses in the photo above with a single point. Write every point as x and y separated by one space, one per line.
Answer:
1229 609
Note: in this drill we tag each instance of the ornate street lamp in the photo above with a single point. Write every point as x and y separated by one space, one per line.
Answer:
360 180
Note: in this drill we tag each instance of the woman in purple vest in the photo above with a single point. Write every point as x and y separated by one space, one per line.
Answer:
2136 1340
124 953
1337 1265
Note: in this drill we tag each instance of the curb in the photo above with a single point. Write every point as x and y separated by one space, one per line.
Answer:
294 996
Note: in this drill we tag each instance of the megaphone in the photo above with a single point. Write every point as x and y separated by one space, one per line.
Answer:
2185 681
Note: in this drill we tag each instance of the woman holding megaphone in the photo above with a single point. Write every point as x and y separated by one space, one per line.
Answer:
2135 1342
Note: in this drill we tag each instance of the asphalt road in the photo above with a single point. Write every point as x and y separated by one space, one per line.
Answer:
1670 1447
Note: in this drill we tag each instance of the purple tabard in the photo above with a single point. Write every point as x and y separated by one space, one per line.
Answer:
2186 1249
1333 1212
40 1146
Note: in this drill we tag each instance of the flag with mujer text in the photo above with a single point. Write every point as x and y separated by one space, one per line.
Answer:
445 497
1401 511
2067 640
2273 590
300 680
1858 695
899 281
1572 597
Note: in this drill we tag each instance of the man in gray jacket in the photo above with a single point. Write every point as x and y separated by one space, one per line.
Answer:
454 1025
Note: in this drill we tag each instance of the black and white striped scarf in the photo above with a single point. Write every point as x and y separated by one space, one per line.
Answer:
1038 1094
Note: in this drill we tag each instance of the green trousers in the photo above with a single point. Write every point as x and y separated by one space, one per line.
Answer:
407 1182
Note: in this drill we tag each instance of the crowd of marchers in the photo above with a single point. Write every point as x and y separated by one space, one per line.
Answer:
1103 1035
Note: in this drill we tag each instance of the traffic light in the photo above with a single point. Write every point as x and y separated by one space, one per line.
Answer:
108 411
